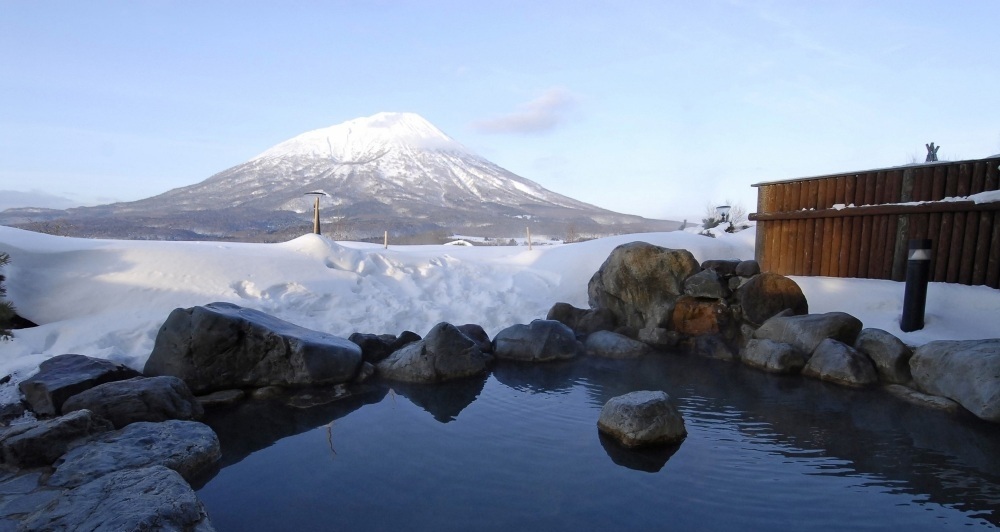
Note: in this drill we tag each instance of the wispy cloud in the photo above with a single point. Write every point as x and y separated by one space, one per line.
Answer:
537 116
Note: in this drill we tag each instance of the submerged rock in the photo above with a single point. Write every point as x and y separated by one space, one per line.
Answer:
642 418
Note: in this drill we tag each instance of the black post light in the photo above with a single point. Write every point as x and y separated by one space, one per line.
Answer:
918 267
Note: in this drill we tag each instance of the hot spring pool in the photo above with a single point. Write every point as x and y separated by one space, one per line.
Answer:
520 450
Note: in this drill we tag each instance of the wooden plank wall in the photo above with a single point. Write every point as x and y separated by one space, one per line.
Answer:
804 229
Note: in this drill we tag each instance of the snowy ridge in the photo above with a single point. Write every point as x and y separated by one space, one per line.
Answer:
363 140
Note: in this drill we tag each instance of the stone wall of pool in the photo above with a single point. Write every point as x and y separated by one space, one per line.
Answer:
85 455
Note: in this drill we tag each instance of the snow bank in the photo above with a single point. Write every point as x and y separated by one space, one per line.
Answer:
108 298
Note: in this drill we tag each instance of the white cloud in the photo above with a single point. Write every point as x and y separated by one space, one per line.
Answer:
537 116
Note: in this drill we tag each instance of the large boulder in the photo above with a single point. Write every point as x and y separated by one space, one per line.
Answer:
222 346
187 447
149 498
138 399
767 294
445 353
609 344
839 363
642 418
695 317
640 282
890 355
806 332
40 443
967 372
64 376
539 341
772 356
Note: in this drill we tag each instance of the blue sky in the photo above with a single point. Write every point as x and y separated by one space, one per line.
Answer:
654 108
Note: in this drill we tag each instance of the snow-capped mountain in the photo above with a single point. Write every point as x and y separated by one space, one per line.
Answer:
391 172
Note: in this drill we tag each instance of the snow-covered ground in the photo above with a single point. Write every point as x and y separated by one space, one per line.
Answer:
108 298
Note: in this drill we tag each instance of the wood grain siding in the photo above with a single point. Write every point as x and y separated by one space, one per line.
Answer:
800 232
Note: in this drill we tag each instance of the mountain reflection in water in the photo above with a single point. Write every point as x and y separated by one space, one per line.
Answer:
521 449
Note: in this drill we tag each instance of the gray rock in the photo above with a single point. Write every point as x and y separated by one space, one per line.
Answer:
444 354
658 337
608 344
747 268
583 321
768 294
376 348
187 447
642 418
40 443
478 335
225 397
64 376
138 399
539 341
566 314
150 498
775 357
967 372
640 282
724 267
712 346
707 284
890 355
221 346
806 332
367 371
922 399
839 363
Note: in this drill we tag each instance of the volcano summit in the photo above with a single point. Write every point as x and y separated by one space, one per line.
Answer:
392 172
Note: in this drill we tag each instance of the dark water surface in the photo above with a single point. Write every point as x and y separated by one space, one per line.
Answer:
520 451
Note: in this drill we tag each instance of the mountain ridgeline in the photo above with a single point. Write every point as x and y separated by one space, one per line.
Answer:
390 172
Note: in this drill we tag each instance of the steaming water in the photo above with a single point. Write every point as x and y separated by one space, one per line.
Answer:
520 451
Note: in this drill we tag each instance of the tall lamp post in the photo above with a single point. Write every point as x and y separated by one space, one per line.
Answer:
317 194
723 212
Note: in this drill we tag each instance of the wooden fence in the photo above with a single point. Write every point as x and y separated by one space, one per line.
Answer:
858 224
